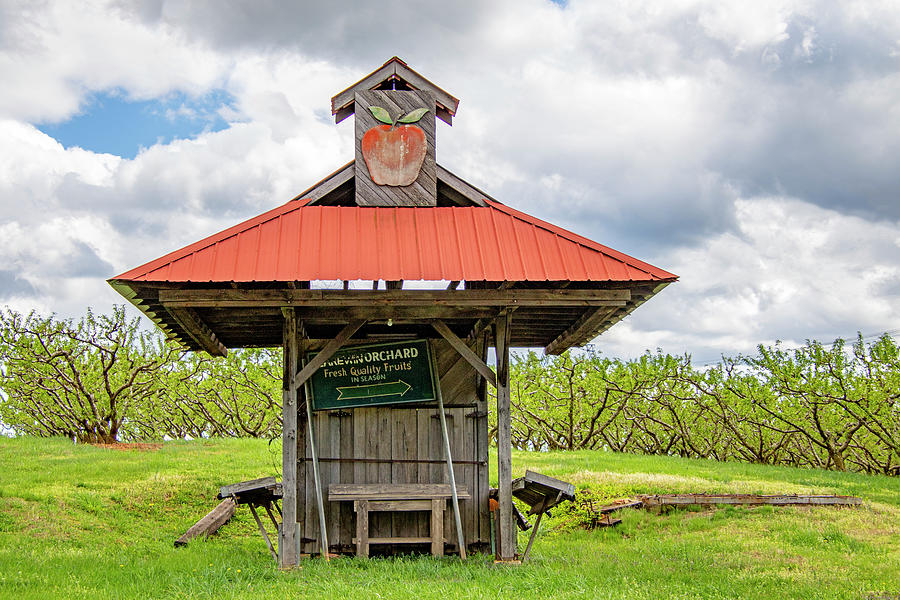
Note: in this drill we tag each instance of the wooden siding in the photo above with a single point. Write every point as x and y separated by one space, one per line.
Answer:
393 435
423 191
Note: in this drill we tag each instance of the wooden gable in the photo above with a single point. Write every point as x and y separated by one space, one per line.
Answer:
393 75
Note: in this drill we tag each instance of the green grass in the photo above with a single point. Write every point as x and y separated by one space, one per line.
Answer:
87 522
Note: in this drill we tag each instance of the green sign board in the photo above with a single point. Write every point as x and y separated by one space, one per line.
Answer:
374 374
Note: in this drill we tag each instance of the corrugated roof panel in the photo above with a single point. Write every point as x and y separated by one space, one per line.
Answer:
329 251
438 257
408 249
554 268
201 270
514 264
531 257
575 268
490 251
310 232
246 258
288 256
267 255
445 254
300 243
223 260
389 234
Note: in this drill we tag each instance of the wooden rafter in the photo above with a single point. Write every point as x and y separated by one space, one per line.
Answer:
466 352
198 331
458 190
329 184
588 323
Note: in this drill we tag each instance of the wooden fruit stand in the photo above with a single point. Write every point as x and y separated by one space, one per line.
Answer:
388 285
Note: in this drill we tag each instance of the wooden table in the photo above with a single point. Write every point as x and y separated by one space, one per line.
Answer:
399 497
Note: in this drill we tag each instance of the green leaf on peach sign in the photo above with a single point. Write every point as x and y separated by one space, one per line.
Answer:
382 115
413 116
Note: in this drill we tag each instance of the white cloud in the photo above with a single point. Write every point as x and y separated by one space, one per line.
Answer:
792 271
55 52
656 127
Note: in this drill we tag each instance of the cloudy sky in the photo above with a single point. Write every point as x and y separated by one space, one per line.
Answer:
750 147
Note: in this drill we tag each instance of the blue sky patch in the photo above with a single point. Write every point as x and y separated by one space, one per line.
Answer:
112 123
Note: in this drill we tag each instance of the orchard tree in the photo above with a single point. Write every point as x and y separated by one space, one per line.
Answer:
84 380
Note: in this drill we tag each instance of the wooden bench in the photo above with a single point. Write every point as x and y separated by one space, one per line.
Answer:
387 497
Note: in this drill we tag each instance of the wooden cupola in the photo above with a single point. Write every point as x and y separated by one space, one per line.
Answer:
396 110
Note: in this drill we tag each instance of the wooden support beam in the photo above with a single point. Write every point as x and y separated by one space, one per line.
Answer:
209 524
399 314
591 321
262 531
506 547
484 323
466 352
329 184
749 499
327 352
290 540
194 326
457 185
342 298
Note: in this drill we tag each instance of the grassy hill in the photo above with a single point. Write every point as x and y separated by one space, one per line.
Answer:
91 522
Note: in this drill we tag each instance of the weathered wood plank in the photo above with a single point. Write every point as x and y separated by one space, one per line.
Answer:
535 487
437 526
253 485
403 446
751 499
393 491
427 471
362 527
381 525
210 523
399 506
398 540
339 298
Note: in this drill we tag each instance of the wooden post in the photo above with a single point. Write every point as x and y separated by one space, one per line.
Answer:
460 539
289 542
537 525
507 542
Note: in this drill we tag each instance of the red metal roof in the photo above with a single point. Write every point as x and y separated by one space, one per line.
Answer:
296 242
